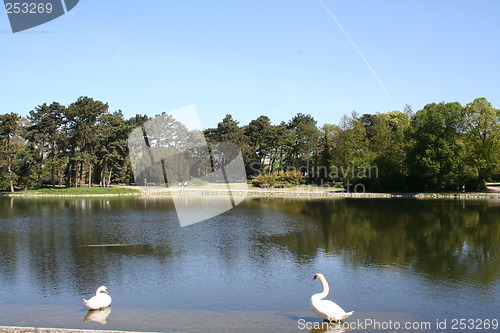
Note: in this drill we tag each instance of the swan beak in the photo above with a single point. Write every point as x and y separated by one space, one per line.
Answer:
314 278
106 291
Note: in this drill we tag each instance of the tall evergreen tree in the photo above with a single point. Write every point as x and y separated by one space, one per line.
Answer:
83 117
44 134
9 130
305 142
112 149
261 137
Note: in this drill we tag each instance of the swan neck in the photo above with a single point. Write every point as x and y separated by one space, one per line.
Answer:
326 288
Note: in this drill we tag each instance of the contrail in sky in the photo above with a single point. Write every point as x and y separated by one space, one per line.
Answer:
356 48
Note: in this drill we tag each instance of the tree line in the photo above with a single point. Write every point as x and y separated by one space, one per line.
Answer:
444 146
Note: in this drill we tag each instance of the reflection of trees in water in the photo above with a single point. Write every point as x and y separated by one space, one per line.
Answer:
443 238
50 236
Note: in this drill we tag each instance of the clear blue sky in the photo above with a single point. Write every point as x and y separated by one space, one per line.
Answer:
250 58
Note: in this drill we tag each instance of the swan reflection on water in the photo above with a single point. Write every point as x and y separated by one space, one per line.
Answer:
99 316
326 327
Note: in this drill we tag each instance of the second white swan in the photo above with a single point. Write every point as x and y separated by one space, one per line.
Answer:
327 310
100 300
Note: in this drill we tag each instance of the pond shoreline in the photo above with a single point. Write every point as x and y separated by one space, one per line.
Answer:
266 192
19 329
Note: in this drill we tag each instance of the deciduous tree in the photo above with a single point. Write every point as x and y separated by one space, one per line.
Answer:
437 156
481 129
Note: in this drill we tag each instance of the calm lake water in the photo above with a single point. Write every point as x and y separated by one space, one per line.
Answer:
399 261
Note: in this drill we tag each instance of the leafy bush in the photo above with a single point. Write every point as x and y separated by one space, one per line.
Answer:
292 177
262 180
282 178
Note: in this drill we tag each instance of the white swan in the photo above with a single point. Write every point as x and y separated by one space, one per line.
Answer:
327 310
100 300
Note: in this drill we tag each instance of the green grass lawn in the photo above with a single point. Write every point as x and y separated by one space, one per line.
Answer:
79 191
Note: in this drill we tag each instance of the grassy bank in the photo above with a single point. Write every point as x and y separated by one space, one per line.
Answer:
75 191
16 329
